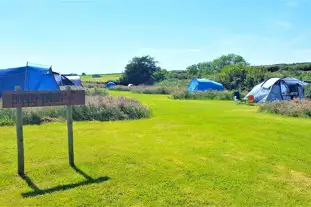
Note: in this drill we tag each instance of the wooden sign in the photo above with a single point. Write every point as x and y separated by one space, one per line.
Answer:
19 99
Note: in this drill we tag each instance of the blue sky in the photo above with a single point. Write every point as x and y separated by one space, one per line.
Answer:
101 36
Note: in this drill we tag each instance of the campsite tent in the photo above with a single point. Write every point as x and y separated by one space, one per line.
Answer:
278 89
28 78
75 80
110 84
204 84
61 80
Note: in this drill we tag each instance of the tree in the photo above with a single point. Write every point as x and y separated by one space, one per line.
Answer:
83 74
192 69
159 75
139 71
206 68
233 77
215 66
230 59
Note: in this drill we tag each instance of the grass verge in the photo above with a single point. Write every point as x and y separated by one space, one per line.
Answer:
204 95
99 108
288 108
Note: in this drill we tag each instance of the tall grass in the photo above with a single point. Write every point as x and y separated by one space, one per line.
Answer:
120 88
288 108
99 108
145 89
204 95
96 92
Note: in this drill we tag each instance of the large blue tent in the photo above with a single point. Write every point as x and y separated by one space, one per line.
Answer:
198 84
28 78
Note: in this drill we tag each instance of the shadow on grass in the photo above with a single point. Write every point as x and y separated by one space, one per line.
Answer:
37 191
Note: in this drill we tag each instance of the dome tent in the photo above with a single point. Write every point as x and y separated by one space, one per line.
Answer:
197 84
277 89
110 84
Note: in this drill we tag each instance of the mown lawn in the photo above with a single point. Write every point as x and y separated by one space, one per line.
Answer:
103 78
191 153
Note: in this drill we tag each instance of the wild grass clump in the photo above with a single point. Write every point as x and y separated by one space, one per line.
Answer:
97 108
294 108
145 89
204 95
120 88
90 84
96 92
152 89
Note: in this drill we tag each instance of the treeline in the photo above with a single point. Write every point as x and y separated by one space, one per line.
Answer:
232 70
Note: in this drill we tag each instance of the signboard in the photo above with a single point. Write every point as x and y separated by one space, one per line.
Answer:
19 99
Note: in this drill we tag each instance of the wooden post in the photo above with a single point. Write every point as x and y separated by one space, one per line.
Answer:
20 137
70 131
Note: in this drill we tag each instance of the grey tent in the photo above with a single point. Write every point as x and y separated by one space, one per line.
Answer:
278 89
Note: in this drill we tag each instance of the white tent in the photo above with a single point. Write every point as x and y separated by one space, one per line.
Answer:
278 89
75 79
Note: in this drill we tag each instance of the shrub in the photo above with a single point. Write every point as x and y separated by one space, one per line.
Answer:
294 108
99 108
204 95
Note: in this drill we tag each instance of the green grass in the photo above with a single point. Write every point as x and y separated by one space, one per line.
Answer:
191 153
103 78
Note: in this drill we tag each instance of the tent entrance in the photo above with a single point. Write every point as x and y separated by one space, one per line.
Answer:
290 91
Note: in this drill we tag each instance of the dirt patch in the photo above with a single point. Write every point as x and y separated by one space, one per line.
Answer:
297 180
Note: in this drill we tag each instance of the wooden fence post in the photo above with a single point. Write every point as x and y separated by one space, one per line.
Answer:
69 129
20 137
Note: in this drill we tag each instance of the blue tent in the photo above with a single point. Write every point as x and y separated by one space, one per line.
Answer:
28 78
197 84
110 84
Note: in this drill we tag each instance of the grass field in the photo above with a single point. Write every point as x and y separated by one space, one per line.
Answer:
191 153
103 78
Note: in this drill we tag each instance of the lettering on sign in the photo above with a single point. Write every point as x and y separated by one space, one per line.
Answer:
17 99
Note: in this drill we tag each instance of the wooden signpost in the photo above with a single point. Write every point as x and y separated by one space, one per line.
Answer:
19 99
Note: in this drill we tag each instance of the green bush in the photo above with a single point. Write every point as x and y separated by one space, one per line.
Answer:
205 95
99 108
288 108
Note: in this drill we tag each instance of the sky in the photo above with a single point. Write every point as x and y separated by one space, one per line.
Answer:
101 36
